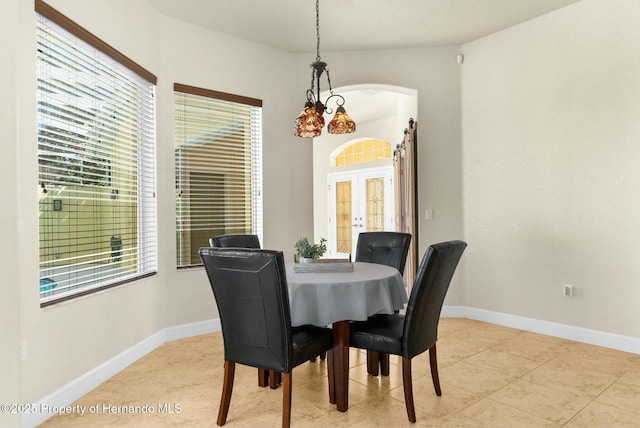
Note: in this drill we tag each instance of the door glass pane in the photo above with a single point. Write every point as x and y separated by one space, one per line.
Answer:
343 216
375 204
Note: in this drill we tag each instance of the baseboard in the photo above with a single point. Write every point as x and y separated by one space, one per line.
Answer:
192 329
577 334
98 375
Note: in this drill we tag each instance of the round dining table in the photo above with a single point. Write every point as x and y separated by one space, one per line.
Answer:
336 298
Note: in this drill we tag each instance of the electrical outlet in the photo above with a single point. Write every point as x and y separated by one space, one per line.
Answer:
23 349
568 290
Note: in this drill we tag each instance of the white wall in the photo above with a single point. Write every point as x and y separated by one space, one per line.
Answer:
551 127
10 282
68 340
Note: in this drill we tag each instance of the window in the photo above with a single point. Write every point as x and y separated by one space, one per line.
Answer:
96 162
218 157
368 150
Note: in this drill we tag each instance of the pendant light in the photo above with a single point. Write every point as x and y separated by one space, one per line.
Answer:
311 121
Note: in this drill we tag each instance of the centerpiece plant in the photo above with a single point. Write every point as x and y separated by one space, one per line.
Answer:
307 250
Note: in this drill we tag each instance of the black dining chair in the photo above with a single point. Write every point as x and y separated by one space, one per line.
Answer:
417 331
273 379
385 248
250 290
238 241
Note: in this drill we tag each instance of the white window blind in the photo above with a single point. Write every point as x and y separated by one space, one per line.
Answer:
218 157
96 157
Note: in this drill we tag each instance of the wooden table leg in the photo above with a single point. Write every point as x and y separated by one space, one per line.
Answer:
341 364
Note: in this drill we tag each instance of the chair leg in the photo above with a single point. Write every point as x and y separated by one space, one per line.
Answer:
373 362
408 389
227 389
384 364
275 379
322 357
331 378
263 377
286 401
434 369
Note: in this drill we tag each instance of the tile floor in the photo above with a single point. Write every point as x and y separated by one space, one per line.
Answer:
491 376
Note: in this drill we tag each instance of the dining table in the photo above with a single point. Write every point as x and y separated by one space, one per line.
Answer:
335 298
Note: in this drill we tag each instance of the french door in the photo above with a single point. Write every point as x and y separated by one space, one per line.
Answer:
358 201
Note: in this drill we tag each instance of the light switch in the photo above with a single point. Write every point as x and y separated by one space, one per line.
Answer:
429 214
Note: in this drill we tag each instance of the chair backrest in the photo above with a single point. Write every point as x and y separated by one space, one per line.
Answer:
427 296
250 289
238 241
384 248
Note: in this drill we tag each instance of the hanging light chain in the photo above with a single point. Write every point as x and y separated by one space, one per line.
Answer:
317 30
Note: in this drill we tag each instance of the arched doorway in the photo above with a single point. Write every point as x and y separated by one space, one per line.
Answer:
381 113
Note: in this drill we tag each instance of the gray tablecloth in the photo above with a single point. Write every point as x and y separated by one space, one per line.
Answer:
328 297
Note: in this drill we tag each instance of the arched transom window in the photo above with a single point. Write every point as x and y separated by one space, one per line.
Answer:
368 150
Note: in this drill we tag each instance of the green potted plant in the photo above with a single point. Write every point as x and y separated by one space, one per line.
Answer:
306 251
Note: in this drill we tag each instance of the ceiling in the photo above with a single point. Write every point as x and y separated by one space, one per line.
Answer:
346 25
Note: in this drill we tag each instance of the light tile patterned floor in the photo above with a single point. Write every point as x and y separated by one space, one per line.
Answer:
491 376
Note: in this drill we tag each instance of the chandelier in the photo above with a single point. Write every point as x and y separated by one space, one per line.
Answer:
310 122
